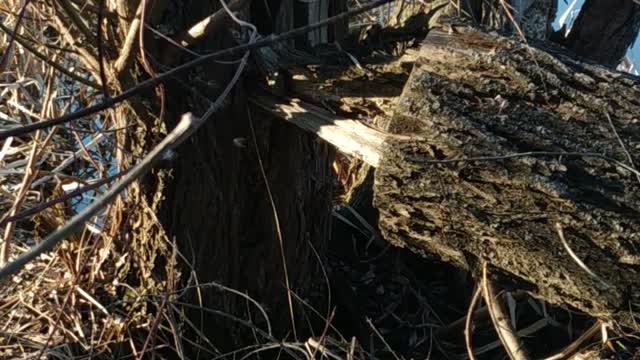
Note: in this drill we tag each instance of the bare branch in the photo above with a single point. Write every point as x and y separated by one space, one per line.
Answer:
103 76
202 28
208 25
624 148
575 345
8 50
126 54
62 198
89 60
5 249
143 58
577 260
468 329
185 128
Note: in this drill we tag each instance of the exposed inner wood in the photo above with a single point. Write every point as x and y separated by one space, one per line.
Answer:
350 137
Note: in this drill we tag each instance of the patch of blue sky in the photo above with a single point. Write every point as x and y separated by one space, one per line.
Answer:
79 203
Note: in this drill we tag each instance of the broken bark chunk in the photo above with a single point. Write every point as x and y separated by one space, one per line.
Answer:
479 96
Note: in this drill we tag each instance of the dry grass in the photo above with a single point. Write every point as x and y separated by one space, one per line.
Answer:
82 294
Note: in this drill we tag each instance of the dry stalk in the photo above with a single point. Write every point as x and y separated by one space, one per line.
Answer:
467 324
501 323
5 250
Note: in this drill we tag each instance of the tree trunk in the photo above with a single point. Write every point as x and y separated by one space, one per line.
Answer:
477 95
217 207
604 30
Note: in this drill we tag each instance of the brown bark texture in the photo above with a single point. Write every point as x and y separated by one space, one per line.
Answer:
473 94
216 205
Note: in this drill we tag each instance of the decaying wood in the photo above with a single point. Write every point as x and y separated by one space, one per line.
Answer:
476 95
366 91
348 136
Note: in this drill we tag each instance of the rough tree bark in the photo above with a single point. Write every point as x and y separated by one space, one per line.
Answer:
533 17
472 95
216 205
555 100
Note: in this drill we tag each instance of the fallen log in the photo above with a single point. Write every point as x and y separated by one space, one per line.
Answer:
524 161
516 156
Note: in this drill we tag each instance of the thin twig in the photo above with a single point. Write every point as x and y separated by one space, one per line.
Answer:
467 322
5 248
69 160
76 19
61 198
208 25
170 40
323 336
145 64
154 327
525 332
103 77
274 210
213 284
515 24
85 152
573 347
577 260
74 284
126 54
8 49
85 56
624 148
47 60
276 221
382 338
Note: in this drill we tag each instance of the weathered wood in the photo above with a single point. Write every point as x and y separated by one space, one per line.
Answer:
472 95
348 136
475 95
216 205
